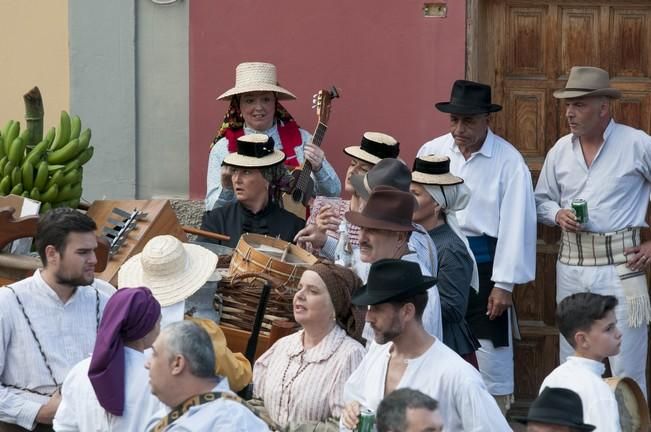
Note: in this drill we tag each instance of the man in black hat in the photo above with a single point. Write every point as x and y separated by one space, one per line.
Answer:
405 355
556 410
499 221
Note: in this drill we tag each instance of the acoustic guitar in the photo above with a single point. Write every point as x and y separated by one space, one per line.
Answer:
298 200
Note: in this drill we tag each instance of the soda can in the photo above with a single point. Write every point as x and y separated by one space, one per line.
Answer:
366 421
580 209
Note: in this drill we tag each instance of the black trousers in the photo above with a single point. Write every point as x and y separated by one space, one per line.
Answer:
496 330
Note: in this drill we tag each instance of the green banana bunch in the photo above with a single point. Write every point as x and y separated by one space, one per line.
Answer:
51 171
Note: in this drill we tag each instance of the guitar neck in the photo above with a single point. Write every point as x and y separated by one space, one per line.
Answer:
317 139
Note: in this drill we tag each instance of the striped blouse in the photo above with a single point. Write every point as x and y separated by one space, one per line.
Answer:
299 385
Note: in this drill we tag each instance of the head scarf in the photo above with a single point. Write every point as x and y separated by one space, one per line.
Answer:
342 283
129 315
453 198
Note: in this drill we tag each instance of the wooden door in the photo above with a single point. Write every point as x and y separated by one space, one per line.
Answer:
525 49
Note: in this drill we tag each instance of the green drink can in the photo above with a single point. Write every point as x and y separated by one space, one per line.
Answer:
580 209
366 421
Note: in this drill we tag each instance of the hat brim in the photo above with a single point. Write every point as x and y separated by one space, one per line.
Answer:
358 153
571 94
435 179
366 298
559 422
281 93
170 289
451 108
357 218
238 160
357 181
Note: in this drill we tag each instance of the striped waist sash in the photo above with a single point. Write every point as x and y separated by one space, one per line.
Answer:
598 249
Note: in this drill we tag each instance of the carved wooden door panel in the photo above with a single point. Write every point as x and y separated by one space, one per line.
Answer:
525 49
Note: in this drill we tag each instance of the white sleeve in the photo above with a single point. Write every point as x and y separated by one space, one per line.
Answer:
548 192
478 410
214 177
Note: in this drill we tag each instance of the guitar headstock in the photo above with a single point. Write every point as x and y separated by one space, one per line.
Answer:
322 103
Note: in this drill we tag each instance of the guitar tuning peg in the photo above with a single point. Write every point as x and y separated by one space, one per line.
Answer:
313 106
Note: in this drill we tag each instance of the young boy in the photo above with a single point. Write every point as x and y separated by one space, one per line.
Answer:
588 323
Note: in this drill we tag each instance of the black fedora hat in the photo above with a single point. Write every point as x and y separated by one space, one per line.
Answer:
469 97
557 406
392 280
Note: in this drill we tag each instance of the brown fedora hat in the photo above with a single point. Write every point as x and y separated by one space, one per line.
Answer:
587 81
387 208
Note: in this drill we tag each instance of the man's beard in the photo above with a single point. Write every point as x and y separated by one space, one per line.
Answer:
389 335
73 281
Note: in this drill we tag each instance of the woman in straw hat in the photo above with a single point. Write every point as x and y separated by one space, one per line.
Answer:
255 168
255 108
439 195
109 391
301 378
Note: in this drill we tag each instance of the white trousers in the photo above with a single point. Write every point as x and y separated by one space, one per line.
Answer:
496 365
631 360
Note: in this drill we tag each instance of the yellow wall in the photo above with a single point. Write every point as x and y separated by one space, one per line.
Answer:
34 51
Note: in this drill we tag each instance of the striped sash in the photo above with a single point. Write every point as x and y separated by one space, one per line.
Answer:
598 249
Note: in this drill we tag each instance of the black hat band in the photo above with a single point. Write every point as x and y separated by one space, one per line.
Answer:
432 167
255 149
380 150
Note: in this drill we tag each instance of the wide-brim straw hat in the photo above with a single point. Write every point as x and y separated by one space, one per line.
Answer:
587 81
255 151
256 76
172 270
434 170
374 147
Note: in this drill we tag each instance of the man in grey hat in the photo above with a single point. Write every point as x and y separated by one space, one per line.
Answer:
499 222
603 169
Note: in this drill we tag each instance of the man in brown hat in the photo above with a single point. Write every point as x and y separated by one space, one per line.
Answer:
499 221
607 166
385 230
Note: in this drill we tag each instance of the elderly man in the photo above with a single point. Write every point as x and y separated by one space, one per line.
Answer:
48 322
405 355
499 221
556 410
181 375
256 172
407 410
385 229
607 165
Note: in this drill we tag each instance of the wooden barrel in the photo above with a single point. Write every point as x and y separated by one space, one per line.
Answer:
633 410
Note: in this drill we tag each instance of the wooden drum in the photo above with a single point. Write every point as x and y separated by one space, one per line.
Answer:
633 410
256 259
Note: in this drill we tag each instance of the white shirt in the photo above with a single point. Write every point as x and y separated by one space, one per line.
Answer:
66 332
80 410
583 376
219 415
616 186
464 402
432 320
502 203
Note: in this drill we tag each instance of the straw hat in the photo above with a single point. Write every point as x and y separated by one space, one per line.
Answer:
255 76
255 151
434 170
587 81
172 270
374 147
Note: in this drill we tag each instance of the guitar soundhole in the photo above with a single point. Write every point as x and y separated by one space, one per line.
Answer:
297 195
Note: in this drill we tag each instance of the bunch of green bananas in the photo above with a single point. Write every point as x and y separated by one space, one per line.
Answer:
51 171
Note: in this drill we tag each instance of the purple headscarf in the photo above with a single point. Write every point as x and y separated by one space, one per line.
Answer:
129 315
